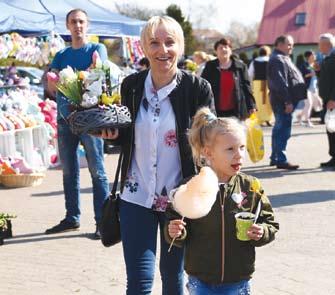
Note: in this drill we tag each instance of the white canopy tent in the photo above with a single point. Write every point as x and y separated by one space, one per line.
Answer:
31 17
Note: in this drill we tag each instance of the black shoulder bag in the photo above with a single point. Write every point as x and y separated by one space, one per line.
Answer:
110 221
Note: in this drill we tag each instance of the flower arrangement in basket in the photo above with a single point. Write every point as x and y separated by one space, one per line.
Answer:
5 226
94 97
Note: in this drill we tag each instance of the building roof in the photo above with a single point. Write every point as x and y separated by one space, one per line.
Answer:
305 20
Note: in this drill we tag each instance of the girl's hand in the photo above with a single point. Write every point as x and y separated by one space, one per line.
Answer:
252 111
109 133
176 228
255 232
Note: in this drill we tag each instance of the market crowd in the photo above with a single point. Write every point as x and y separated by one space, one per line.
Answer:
188 121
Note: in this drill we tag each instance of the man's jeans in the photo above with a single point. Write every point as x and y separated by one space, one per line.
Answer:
197 287
67 145
281 133
139 227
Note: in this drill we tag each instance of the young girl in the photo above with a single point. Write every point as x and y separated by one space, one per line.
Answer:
215 260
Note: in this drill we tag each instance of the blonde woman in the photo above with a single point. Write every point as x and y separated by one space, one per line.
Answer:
258 74
200 58
157 155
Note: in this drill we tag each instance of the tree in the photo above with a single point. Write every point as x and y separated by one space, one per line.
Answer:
134 11
175 12
242 35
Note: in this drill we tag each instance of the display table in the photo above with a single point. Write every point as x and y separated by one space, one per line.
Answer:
26 142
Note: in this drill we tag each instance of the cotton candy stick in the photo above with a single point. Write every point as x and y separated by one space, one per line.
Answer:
171 244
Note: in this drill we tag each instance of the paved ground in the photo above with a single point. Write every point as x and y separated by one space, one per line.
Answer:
300 262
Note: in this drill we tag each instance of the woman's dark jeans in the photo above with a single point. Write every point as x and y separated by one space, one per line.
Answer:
139 227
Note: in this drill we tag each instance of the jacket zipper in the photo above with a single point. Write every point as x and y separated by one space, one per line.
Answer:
177 136
132 133
222 199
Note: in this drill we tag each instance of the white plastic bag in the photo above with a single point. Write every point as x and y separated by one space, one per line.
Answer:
330 120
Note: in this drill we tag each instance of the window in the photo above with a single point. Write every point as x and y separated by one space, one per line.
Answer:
300 19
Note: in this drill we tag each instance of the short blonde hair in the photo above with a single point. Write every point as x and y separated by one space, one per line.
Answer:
205 127
201 54
264 50
171 25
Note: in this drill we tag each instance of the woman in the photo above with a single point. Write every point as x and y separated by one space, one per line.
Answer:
200 58
229 79
156 153
257 74
313 100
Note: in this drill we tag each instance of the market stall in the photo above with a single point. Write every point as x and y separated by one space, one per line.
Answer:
27 135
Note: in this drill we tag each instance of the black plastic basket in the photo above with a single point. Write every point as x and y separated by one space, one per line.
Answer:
93 120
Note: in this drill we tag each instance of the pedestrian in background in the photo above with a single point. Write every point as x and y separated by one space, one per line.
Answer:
143 64
230 83
287 88
200 58
313 100
327 87
258 74
78 56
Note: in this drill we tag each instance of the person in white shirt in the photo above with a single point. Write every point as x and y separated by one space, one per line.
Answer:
156 153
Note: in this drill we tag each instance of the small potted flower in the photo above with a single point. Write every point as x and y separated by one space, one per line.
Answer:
5 227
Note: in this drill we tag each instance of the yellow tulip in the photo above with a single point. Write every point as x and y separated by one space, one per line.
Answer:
81 75
106 100
255 185
116 98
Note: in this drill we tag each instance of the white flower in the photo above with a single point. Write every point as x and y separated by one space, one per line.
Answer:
88 100
94 75
95 88
98 63
106 65
67 75
238 198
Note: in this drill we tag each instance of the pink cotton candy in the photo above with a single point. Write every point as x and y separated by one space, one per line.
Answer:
51 76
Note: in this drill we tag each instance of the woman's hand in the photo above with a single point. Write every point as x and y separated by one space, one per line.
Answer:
109 133
176 228
255 232
330 105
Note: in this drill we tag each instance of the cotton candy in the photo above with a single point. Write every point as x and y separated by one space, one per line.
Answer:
196 198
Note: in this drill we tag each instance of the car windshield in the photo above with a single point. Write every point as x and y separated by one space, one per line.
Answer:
34 71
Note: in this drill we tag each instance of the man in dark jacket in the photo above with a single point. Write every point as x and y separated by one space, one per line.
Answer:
287 87
327 87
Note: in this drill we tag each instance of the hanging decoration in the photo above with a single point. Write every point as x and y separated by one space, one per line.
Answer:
132 49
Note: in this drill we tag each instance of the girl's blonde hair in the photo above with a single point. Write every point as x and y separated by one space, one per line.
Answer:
205 127
171 25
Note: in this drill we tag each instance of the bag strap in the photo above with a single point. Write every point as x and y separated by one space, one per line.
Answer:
117 174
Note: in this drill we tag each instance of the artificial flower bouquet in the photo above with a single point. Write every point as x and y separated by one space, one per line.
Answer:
94 97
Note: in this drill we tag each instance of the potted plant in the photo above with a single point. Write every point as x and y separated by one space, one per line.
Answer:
5 226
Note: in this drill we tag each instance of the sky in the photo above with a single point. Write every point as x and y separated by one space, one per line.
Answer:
215 14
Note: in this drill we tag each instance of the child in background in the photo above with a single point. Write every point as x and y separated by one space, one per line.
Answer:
215 260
